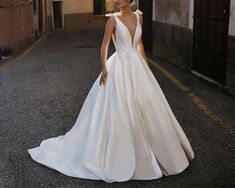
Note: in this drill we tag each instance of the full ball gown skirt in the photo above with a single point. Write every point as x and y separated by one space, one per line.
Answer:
125 129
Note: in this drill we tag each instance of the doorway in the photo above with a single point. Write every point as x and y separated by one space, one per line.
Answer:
99 7
57 14
146 6
210 38
40 16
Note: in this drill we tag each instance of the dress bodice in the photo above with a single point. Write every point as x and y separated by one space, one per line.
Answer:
123 40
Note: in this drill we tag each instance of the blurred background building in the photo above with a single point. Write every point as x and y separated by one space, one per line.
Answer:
22 21
195 35
17 27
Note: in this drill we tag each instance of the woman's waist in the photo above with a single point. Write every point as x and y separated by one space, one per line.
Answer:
125 50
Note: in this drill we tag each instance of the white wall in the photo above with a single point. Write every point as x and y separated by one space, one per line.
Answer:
77 6
191 7
154 10
232 18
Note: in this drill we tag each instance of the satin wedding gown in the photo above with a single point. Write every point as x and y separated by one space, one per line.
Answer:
125 129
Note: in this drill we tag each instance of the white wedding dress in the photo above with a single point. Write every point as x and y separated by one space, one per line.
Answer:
125 129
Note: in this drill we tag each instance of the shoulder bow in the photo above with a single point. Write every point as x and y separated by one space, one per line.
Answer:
138 11
111 14
116 13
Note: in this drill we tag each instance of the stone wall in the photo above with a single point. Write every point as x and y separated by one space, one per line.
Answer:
17 24
173 43
79 14
172 37
83 20
232 19
174 12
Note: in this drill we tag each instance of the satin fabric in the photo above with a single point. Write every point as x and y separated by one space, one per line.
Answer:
125 129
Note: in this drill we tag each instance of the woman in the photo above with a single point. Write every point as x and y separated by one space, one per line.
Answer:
126 128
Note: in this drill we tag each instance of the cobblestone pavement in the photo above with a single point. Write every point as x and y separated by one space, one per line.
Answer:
41 96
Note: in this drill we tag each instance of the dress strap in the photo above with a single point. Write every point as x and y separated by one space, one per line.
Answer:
138 11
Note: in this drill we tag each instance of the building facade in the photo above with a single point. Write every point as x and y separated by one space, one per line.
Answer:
70 14
17 23
23 21
199 36
196 35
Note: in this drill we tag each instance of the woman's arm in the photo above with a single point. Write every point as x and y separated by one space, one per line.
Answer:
104 48
106 40
140 45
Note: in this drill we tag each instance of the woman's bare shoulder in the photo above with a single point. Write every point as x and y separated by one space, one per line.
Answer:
111 19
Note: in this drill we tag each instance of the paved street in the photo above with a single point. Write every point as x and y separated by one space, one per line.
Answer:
41 96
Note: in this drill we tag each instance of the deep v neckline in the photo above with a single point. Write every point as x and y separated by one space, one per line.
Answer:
132 40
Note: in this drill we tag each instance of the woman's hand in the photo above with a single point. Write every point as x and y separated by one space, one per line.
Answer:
103 77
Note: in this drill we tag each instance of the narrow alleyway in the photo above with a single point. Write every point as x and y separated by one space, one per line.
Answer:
41 96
